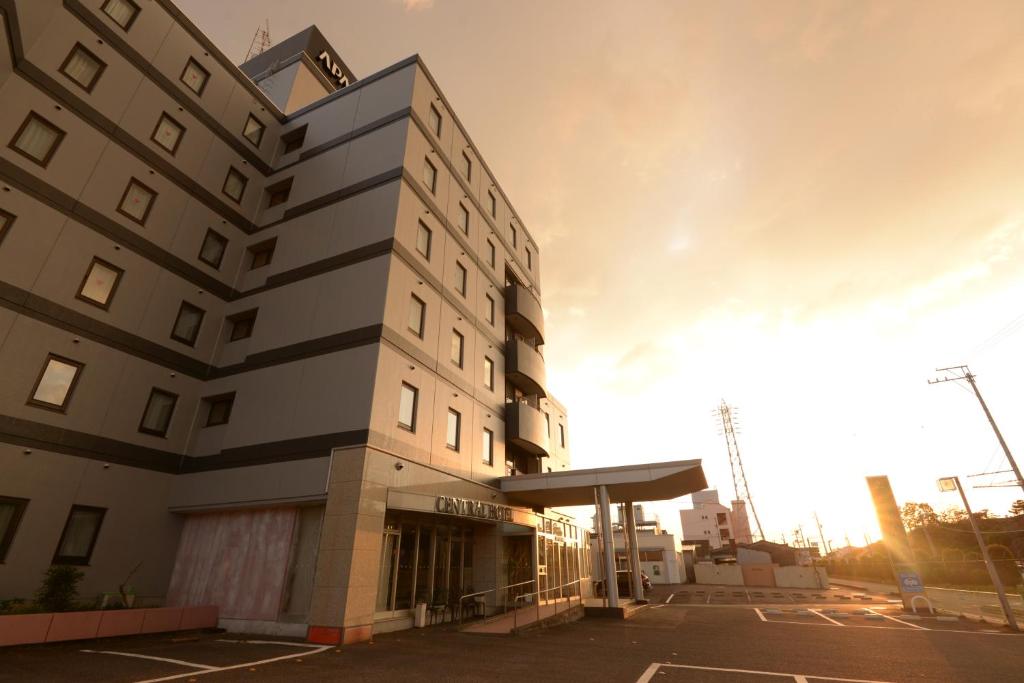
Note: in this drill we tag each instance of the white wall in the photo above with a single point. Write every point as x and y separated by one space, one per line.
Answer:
719 574
800 577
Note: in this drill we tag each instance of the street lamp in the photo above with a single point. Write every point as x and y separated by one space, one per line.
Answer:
950 484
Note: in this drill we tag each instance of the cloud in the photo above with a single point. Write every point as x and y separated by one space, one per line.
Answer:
417 5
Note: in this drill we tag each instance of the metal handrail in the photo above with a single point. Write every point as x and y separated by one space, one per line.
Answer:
491 590
515 609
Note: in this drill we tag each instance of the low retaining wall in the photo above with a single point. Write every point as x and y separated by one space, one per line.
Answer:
25 629
801 577
718 574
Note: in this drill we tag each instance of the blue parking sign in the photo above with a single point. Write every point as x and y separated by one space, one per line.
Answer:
910 582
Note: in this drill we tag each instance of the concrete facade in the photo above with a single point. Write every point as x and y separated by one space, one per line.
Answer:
708 520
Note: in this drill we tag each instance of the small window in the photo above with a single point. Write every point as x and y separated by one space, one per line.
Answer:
434 120
234 184
407 407
458 347
242 324
279 192
561 435
467 166
168 133
494 204
195 76
6 221
490 309
156 418
454 429
547 423
219 409
187 324
253 130
82 67
56 383
417 314
515 235
37 139
11 512
429 176
261 254
487 454
463 218
294 139
529 259
100 282
423 237
491 254
214 246
488 373
79 536
123 12
460 278
136 202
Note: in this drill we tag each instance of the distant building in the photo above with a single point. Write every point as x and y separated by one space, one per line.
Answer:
708 521
659 554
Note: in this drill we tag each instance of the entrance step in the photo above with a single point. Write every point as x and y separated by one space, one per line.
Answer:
525 618
626 610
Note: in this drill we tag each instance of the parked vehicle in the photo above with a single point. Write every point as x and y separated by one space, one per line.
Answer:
624 582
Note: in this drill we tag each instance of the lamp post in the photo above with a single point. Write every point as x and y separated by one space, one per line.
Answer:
953 484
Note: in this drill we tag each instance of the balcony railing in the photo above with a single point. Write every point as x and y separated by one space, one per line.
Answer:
526 427
525 367
523 312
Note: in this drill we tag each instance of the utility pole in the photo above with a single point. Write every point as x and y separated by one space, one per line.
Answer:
962 372
739 477
821 535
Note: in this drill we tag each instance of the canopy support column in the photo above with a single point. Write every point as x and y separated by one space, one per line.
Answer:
634 553
611 584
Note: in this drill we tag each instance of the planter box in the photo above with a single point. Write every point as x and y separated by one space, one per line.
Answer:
121 622
73 626
25 629
161 619
20 629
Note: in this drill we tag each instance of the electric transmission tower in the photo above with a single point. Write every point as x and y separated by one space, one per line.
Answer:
739 477
260 41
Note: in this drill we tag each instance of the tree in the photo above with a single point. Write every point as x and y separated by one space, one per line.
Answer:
59 589
953 515
916 515
1017 508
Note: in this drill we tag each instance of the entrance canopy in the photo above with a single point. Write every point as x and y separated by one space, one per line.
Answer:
632 483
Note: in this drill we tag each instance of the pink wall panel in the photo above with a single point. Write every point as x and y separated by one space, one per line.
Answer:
236 560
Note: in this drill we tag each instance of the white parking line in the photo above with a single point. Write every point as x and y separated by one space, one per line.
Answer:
759 614
669 599
825 617
651 670
898 621
179 662
269 642
210 670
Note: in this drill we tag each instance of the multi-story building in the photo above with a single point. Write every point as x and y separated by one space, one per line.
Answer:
657 550
714 523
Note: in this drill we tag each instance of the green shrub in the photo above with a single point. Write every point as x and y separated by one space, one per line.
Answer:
60 589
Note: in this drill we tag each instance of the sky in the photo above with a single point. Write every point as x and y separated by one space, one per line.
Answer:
802 208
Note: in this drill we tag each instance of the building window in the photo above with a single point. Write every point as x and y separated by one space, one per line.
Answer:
515 235
242 325
234 184
461 277
156 418
463 218
434 120
219 411
423 236
253 130
187 324
195 76
417 314
136 202
547 422
6 221
214 246
429 176
487 454
261 254
490 309
488 373
454 429
458 346
82 67
37 139
467 166
122 12
99 284
11 512
279 192
529 259
168 133
407 407
491 254
494 204
294 139
561 435
79 536
56 383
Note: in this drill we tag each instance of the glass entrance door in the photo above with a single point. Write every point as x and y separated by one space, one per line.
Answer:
388 570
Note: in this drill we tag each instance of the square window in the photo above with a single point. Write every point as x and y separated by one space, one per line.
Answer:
186 326
423 237
123 12
168 133
253 130
407 407
136 202
463 218
156 418
460 278
490 309
487 454
56 383
11 512
234 184
214 246
529 259
261 254
429 176
219 409
6 221
195 76
82 67
294 139
454 429
467 166
279 192
491 254
101 279
488 373
37 139
434 120
494 204
79 536
458 345
417 314
514 234
242 325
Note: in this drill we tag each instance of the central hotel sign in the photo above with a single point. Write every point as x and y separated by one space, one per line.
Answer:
473 508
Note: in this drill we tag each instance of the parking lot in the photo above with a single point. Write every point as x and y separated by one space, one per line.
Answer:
739 595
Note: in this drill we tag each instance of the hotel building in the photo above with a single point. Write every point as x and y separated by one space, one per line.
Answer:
271 335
